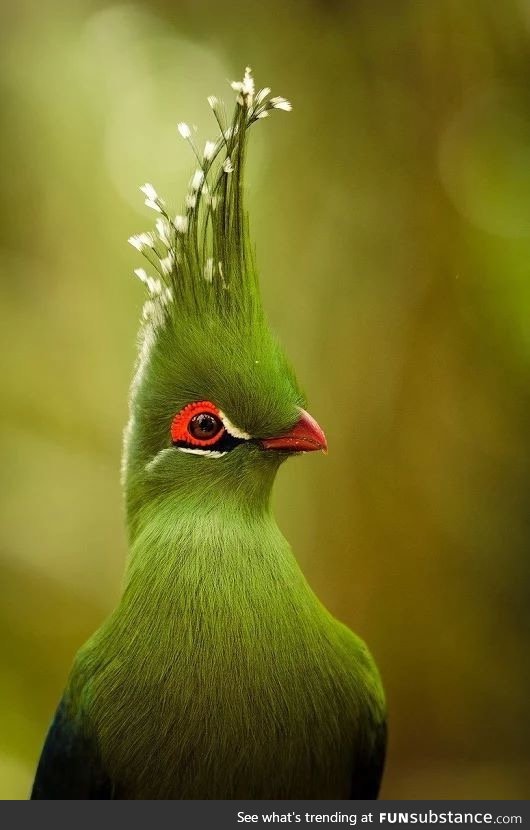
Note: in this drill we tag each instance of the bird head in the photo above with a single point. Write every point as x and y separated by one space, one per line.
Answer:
215 406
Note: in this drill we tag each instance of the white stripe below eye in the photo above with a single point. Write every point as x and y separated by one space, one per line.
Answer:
200 451
233 430
159 457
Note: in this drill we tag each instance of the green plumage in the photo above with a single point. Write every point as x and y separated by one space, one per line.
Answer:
219 674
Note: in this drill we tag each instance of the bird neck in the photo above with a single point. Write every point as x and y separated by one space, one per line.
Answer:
208 543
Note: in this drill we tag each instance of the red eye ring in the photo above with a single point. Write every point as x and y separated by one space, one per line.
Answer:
180 426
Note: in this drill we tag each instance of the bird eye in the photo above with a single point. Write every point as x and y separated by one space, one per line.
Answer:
201 428
204 426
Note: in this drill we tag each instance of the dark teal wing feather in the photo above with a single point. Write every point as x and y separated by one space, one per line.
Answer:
69 766
368 774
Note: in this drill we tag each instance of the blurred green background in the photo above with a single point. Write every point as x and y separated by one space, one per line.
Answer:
391 213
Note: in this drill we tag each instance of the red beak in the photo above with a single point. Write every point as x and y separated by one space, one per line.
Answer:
305 436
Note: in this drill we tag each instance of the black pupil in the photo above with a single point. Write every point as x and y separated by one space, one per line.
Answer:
204 426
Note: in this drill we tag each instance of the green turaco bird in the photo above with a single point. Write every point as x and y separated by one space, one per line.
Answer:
220 674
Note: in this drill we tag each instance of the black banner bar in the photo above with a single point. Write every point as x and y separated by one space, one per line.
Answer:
240 815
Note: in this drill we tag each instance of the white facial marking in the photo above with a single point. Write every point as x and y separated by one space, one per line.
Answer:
202 451
234 431
151 465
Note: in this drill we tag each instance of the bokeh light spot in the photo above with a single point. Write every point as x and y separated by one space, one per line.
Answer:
484 161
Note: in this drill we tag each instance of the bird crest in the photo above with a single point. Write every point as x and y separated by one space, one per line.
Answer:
202 256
